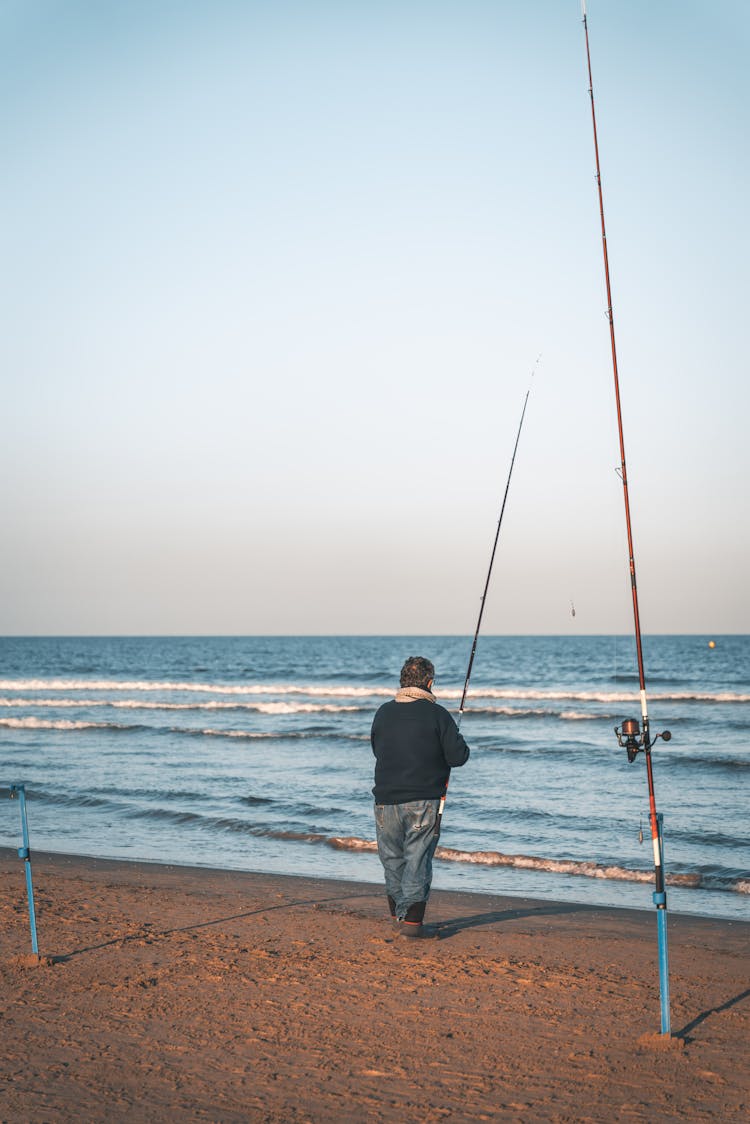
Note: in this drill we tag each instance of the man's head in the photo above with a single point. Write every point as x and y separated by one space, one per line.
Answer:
417 672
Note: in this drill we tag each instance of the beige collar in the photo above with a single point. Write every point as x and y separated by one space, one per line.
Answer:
412 694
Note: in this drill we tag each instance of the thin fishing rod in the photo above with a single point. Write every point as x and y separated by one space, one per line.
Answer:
492 556
441 806
630 736
610 317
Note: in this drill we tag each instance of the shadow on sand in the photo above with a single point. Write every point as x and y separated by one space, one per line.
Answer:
442 930
149 932
684 1034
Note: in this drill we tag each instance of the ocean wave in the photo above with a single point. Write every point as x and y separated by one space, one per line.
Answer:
30 723
68 725
144 704
329 735
322 690
284 707
705 763
711 879
511 711
572 695
584 716
123 800
586 869
74 799
707 838
196 688
693 880
516 712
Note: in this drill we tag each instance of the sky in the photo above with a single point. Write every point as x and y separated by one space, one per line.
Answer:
276 277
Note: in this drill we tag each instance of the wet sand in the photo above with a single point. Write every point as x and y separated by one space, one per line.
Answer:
175 993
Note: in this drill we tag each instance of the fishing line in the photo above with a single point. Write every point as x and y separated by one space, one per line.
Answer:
487 582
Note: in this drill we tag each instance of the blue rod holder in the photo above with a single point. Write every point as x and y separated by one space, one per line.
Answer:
660 901
24 853
661 921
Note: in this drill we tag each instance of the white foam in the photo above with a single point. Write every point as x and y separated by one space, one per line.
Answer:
144 704
52 702
585 869
47 724
237 734
321 690
552 866
194 688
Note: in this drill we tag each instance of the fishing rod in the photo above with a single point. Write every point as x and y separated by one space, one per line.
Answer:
630 736
486 587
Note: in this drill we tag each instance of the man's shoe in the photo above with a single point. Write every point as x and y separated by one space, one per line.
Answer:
410 929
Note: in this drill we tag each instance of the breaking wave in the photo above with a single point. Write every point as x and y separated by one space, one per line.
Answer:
322 690
694 880
585 869
253 734
69 725
613 872
30 723
145 704
195 688
280 708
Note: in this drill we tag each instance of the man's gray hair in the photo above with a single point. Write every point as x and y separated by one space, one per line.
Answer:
417 672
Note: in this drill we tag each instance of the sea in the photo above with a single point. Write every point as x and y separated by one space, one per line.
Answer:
253 753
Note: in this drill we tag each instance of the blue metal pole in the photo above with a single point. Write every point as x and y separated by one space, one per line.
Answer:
660 890
660 901
25 854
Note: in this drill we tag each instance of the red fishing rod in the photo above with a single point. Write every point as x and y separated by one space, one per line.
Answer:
630 735
484 592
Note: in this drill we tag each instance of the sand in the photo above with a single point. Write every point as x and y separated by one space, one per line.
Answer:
170 993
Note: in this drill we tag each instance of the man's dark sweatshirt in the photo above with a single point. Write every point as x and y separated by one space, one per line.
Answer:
415 745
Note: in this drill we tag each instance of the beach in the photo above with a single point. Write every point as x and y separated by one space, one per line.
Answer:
185 993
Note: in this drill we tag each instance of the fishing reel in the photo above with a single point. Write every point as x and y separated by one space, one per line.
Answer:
630 737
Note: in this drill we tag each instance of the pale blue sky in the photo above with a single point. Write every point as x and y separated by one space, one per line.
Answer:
275 277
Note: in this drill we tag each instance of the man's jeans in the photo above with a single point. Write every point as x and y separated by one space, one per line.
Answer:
406 844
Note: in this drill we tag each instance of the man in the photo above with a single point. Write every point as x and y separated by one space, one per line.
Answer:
416 743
